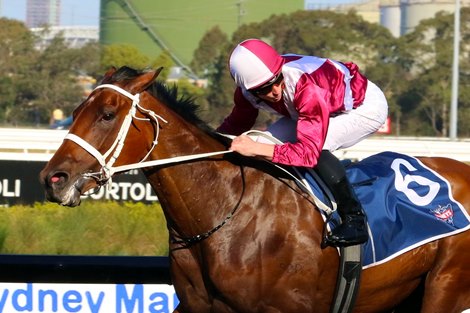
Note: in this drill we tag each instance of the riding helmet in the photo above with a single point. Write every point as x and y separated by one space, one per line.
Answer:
253 63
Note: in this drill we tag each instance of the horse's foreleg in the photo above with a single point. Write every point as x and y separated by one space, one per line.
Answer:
189 283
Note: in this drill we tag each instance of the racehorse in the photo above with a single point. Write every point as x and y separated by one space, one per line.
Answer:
243 236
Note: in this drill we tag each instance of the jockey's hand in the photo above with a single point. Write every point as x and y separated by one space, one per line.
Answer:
246 146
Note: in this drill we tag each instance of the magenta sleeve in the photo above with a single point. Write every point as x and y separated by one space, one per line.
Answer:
242 117
312 126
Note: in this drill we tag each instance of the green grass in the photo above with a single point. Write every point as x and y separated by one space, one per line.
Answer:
93 228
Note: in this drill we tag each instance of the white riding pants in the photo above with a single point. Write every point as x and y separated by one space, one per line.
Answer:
345 129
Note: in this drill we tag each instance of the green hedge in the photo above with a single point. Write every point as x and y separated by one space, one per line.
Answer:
93 228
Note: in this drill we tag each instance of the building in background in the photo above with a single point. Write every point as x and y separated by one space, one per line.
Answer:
402 16
42 12
74 36
398 16
368 9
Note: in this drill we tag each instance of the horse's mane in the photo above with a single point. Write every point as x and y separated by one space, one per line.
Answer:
182 105
188 109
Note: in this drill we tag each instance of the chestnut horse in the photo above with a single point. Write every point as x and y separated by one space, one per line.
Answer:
243 236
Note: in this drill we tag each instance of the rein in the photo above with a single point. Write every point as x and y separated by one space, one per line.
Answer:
104 176
188 241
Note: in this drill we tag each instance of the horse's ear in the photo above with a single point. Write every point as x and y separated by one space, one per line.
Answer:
144 80
108 74
110 71
158 70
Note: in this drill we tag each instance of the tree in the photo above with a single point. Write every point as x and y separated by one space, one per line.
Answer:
209 49
118 55
17 48
164 60
35 80
426 101
49 84
17 54
219 94
86 59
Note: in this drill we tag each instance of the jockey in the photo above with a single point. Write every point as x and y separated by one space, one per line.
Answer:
324 105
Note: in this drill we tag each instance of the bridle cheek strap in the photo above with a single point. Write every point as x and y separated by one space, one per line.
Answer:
106 171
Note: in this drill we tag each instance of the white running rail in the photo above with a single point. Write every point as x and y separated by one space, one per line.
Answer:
36 144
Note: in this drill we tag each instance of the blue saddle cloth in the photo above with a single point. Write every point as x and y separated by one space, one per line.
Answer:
407 204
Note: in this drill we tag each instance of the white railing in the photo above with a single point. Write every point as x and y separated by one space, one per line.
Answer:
40 144
415 146
29 144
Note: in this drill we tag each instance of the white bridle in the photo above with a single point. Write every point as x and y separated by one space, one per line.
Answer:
107 170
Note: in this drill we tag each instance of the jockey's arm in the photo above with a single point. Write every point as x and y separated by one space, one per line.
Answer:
246 146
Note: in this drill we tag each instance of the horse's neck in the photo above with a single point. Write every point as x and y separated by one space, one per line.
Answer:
189 191
195 196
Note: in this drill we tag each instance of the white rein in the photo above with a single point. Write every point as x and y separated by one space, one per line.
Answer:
104 176
107 170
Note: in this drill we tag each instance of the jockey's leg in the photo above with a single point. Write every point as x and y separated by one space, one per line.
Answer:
353 227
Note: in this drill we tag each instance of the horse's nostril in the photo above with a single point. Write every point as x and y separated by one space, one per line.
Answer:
57 178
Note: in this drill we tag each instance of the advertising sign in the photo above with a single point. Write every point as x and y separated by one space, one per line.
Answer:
19 184
87 298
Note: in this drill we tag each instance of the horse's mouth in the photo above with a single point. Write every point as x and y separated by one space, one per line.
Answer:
69 194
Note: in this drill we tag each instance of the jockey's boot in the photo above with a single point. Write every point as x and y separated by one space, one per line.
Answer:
353 227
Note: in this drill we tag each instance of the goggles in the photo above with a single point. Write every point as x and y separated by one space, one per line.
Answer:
268 86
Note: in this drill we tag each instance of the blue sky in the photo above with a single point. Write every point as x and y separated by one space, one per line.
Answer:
74 12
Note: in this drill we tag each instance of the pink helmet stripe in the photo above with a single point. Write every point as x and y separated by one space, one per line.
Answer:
265 53
253 62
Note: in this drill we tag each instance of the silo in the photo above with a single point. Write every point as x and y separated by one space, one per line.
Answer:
413 11
390 16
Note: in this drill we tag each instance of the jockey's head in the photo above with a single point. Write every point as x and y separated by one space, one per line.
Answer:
254 64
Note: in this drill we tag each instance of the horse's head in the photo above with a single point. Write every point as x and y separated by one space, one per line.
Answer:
111 116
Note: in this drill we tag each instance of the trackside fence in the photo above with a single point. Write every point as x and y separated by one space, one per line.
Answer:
40 144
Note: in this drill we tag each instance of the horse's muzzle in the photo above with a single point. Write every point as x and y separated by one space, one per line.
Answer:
60 188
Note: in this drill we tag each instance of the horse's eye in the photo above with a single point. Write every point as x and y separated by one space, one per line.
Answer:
108 116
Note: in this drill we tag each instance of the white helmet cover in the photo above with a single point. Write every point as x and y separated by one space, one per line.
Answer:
253 63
